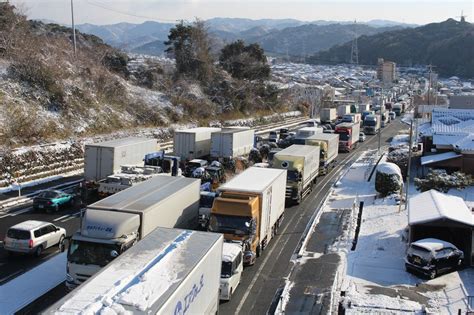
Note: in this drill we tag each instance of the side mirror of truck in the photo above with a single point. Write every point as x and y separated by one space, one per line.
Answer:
114 253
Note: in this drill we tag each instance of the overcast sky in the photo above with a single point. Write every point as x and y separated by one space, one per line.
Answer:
138 11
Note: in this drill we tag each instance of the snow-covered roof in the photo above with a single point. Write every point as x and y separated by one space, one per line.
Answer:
453 121
443 139
466 144
433 244
432 206
389 168
253 179
428 159
29 225
230 251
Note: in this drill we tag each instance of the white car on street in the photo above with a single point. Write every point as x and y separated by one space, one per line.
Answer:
231 271
33 237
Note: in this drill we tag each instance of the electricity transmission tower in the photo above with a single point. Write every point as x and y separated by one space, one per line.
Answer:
355 48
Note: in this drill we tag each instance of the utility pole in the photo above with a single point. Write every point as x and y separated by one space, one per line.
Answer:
409 164
73 27
355 47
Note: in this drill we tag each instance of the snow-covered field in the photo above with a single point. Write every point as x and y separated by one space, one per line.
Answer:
374 276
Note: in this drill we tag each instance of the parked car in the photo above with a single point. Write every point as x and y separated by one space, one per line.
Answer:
33 237
52 200
432 257
392 115
362 137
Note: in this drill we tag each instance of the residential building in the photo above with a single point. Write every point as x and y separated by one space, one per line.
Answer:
386 71
461 101
448 141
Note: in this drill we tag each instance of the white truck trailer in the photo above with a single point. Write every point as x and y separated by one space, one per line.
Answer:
328 149
193 143
232 142
114 224
343 110
250 209
170 271
308 131
302 165
328 115
106 158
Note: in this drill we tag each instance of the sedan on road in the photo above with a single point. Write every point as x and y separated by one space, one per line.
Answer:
52 200
33 237
431 257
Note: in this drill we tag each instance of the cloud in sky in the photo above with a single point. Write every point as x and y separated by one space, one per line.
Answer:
137 11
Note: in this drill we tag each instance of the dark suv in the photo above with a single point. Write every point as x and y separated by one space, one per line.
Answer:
432 257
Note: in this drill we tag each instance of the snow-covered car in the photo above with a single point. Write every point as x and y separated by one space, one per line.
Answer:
33 237
52 200
362 137
432 257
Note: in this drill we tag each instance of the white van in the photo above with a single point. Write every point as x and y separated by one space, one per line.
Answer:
231 271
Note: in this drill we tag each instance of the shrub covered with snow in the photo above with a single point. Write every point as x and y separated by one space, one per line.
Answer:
400 158
388 179
442 181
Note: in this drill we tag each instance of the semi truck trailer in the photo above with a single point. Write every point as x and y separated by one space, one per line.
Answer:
193 143
302 165
114 224
232 142
249 209
328 144
348 136
328 115
106 158
170 271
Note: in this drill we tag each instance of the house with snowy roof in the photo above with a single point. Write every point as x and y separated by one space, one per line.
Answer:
432 214
448 141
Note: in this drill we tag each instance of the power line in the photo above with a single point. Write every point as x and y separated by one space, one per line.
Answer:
105 7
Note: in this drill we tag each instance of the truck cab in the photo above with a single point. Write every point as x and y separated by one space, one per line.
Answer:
192 165
101 239
231 271
205 206
236 215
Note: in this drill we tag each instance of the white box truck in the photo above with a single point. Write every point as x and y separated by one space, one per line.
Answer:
302 165
250 208
329 149
232 142
363 107
328 115
171 271
105 158
114 224
193 143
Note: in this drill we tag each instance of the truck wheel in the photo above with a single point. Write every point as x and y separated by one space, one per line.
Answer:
39 250
61 244
432 274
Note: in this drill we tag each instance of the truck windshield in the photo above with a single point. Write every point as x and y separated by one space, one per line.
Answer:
206 201
88 253
369 122
343 135
293 176
226 270
230 224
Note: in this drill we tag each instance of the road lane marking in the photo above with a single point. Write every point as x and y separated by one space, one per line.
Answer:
63 217
21 211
